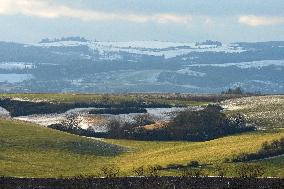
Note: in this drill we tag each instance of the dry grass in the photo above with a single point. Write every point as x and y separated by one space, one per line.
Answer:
157 125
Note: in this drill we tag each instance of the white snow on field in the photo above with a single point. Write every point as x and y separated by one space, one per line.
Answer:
4 113
189 72
166 114
29 100
245 65
16 65
42 119
48 119
144 44
161 48
152 48
85 120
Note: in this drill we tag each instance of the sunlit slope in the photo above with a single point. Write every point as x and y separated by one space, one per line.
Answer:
210 152
34 151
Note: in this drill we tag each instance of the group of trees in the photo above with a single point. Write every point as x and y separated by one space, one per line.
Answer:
240 91
206 124
237 90
189 125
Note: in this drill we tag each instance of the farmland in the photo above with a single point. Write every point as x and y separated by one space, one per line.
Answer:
30 150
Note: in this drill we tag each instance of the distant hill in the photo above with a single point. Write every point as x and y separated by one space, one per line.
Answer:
75 64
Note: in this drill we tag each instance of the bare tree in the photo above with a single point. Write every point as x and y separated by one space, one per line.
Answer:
71 121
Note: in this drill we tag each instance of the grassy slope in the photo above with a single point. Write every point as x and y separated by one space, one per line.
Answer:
33 151
113 99
211 152
266 111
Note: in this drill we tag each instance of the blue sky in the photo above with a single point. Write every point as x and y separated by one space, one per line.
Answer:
126 20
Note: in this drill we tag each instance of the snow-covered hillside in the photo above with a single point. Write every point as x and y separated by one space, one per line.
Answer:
79 65
152 48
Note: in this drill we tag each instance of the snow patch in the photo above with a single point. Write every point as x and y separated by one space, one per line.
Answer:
187 71
245 65
151 48
4 113
16 66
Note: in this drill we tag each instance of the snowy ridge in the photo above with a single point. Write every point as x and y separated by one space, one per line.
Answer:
245 65
151 48
16 65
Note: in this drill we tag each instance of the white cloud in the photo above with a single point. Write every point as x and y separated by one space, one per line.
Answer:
252 20
48 9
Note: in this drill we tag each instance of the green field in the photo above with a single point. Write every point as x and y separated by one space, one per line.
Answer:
32 151
105 98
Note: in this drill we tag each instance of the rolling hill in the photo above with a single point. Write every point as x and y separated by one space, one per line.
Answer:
32 151
74 64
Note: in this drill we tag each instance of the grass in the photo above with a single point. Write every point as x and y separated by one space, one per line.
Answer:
33 151
210 152
27 150
111 99
265 111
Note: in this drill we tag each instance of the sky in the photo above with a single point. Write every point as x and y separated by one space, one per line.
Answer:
29 21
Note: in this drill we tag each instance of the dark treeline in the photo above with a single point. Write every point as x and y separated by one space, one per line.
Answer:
267 150
23 108
136 101
239 91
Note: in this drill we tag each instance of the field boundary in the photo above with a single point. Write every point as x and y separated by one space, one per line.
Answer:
142 182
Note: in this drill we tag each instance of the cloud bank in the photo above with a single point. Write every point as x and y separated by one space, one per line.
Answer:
252 20
48 9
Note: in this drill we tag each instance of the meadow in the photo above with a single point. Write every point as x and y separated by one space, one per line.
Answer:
31 151
169 99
